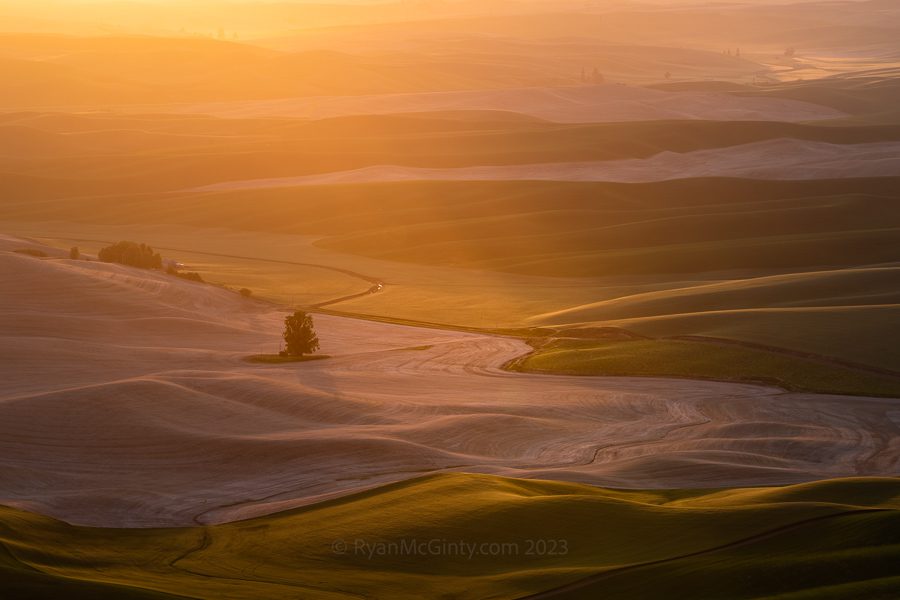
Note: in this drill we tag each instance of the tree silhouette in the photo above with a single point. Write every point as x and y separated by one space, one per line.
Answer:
299 335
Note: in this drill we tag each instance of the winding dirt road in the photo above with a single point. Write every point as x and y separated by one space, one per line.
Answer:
127 402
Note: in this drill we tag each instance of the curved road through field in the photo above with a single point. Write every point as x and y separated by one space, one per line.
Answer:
375 285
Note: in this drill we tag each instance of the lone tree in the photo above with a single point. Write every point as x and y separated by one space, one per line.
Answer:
299 335
74 253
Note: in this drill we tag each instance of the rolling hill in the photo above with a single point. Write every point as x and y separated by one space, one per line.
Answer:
475 536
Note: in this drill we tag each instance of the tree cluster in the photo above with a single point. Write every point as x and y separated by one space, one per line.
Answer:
132 254
189 275
31 252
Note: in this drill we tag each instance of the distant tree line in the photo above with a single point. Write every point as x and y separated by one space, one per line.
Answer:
596 77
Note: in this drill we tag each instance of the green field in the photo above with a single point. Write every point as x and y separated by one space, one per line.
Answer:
529 536
725 362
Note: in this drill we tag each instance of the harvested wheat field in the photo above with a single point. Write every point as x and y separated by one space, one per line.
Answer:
410 401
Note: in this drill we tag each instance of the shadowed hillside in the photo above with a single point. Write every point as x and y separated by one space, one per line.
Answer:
523 537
